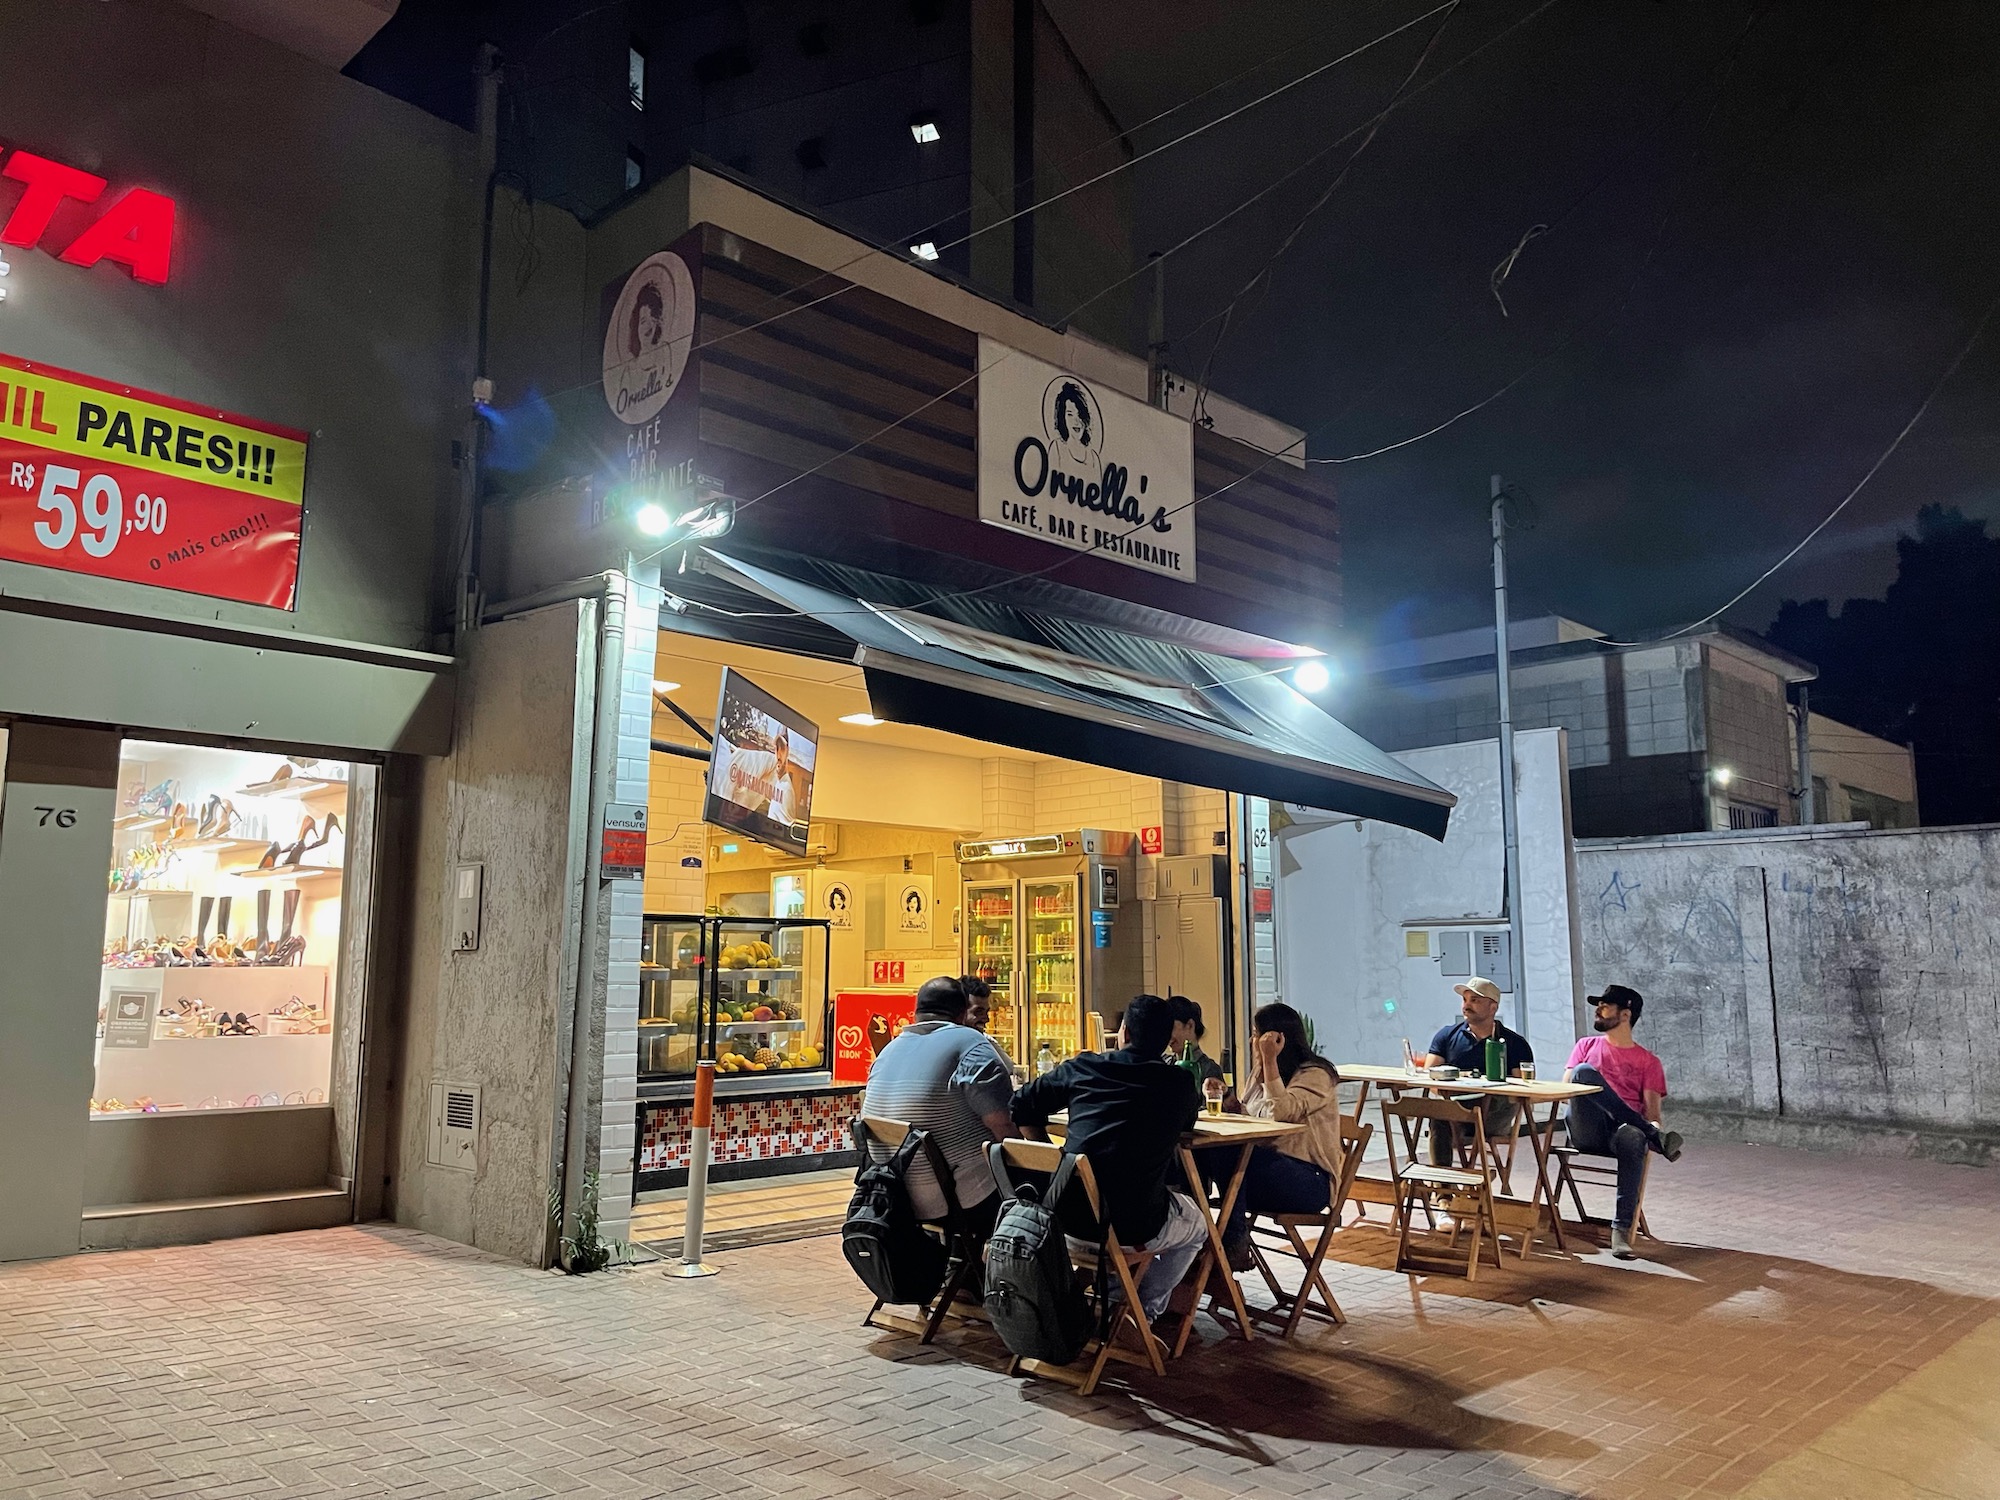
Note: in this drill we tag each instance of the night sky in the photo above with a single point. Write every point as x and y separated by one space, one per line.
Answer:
1793 234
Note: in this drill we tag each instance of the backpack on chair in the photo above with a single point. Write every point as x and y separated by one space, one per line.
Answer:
896 1258
1032 1295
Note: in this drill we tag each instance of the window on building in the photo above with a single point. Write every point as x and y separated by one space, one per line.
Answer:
1752 815
635 168
635 76
1877 810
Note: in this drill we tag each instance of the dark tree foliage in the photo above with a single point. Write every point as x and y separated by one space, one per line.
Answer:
1922 664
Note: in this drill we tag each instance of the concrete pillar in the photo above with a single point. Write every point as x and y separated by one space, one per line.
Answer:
61 794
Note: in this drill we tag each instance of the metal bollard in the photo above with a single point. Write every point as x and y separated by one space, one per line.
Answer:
697 1201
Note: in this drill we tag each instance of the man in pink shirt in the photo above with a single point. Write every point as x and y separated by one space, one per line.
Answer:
1623 1119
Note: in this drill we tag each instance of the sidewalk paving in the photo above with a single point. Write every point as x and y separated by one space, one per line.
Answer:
1817 1327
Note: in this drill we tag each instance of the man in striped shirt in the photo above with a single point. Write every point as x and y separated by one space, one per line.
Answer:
942 1076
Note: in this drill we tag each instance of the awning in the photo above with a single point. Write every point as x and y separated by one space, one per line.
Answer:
1152 708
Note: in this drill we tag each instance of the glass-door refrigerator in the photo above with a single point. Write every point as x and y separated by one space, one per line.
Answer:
990 954
1052 924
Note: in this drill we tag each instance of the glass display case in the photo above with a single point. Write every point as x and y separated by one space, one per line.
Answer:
749 992
672 960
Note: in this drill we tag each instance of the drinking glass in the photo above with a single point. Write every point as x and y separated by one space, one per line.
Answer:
1211 1093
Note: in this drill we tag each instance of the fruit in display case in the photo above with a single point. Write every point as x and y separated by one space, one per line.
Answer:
755 955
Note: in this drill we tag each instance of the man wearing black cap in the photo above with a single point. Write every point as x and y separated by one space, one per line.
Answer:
1622 1119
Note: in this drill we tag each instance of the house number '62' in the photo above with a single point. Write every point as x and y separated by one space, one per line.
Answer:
65 817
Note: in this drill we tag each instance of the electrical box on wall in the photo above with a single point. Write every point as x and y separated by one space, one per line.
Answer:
454 1135
468 885
1495 959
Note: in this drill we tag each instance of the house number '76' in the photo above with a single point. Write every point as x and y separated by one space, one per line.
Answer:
65 816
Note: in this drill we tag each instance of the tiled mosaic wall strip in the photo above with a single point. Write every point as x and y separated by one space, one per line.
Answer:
751 1129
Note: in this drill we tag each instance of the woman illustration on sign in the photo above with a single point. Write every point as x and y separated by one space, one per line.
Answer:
838 901
914 919
649 320
1071 422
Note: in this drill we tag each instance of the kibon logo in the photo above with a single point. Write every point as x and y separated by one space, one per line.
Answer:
850 1037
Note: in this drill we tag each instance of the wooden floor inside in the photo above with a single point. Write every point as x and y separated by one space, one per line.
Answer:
759 1211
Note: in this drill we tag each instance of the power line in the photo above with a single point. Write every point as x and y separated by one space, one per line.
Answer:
1270 455
1847 499
1088 182
1270 262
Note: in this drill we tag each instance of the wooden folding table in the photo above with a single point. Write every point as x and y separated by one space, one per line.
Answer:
1526 1218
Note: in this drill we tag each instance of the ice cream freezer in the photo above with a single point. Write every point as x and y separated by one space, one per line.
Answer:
1051 922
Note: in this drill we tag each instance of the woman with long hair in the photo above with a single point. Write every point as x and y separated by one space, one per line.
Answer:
1290 1082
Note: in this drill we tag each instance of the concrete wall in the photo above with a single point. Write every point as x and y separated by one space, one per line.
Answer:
1351 894
1824 975
498 1017
323 264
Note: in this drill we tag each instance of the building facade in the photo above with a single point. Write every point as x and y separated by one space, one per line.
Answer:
235 339
927 126
1683 736
1034 739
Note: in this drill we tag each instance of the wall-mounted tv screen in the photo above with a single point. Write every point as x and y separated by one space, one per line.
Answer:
760 770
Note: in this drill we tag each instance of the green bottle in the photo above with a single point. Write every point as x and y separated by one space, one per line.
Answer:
1496 1059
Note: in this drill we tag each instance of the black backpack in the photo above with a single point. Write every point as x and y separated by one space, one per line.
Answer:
896 1258
1032 1295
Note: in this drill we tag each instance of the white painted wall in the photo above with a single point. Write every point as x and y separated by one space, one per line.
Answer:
1349 892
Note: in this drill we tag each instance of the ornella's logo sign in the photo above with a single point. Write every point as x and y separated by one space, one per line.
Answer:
135 230
1082 467
647 338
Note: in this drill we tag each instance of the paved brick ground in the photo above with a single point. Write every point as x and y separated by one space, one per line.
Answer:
373 1361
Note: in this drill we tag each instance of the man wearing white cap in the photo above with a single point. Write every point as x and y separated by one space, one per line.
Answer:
1463 1045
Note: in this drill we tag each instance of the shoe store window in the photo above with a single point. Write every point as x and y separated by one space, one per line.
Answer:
222 931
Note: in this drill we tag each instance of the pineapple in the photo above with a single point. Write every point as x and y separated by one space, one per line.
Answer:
765 1057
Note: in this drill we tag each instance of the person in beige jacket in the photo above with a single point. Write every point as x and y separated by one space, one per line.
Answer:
1289 1082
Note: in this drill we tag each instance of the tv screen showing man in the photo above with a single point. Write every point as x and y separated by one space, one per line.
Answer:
760 771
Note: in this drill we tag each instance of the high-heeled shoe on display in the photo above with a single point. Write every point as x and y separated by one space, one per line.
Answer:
290 947
329 850
254 948
307 831
222 949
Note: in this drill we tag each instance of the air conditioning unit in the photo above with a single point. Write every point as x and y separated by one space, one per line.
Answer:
454 1136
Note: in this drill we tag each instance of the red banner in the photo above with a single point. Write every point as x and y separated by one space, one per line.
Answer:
863 1024
119 483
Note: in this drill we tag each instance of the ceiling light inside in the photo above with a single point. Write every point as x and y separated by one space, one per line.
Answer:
866 721
925 131
660 685
925 250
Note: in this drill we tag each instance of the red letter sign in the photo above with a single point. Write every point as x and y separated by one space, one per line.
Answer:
49 182
137 231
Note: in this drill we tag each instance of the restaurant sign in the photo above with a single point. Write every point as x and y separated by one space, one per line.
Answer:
1084 467
104 479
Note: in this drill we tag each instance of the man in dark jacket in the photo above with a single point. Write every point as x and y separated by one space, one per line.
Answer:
1127 1111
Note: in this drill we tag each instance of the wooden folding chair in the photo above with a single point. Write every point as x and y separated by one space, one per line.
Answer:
1282 1236
1573 1162
1125 1265
965 1248
1467 1192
